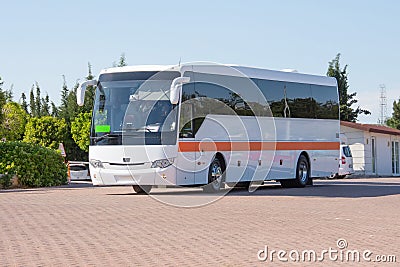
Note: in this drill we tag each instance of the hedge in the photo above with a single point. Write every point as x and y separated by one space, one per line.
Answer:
34 165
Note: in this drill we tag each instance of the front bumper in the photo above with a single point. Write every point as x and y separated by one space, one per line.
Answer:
131 176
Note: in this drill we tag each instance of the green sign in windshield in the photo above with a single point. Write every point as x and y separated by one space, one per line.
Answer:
102 128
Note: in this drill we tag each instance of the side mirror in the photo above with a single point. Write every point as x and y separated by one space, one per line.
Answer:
175 89
80 92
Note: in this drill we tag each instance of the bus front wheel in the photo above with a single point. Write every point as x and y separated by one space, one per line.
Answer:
215 176
142 189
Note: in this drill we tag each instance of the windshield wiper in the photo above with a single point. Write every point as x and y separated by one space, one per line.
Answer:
105 136
141 129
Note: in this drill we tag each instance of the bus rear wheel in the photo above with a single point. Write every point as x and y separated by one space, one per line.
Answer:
302 174
215 176
142 189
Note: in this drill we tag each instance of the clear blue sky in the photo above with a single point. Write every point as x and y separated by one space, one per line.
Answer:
43 40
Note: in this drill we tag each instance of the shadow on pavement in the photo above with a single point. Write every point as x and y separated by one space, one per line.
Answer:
332 189
356 189
353 188
72 185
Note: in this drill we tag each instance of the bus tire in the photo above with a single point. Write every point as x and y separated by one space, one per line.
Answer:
215 176
142 189
302 174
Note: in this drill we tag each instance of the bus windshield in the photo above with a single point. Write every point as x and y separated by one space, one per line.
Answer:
133 112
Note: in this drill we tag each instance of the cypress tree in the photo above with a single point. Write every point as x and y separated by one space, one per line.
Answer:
24 104
32 105
38 102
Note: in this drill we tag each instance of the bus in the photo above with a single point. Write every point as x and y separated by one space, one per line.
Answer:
211 125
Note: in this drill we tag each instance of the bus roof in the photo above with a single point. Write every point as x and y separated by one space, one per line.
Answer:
240 71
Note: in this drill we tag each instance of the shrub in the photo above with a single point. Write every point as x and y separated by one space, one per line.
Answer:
14 120
80 130
5 180
46 131
35 166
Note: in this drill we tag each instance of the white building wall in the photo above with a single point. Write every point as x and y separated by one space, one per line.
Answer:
368 154
383 154
356 140
361 147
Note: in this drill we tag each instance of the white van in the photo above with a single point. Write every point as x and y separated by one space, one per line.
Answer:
78 171
345 162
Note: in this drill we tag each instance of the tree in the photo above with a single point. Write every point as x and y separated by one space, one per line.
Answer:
394 121
64 100
69 110
9 94
38 102
122 61
14 121
24 105
46 131
72 108
32 105
2 99
347 113
80 130
89 95
45 106
90 75
54 110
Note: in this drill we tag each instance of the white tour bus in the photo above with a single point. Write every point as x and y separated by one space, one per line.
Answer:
206 125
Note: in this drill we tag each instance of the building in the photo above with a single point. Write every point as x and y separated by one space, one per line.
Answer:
375 148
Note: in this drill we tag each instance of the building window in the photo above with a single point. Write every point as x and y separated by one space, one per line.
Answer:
373 152
395 157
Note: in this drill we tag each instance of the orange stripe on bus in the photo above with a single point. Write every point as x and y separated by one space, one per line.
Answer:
255 146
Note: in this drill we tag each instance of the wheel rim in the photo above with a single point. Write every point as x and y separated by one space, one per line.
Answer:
303 172
216 175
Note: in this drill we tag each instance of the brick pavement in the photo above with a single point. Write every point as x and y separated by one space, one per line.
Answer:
111 226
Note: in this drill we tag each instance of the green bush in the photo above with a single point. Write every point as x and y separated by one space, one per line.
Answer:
35 166
80 130
14 120
5 180
46 131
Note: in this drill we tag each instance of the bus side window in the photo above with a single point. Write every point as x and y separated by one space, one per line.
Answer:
299 100
186 120
325 97
273 92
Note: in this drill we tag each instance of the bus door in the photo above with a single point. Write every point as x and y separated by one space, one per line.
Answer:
186 160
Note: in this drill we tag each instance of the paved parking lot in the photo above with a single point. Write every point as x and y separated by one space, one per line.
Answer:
80 225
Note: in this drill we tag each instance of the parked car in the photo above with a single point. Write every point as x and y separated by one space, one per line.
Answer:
79 171
345 162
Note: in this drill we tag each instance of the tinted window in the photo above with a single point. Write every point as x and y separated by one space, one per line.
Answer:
229 102
243 96
77 168
200 99
273 93
301 104
346 151
139 75
326 101
303 100
285 99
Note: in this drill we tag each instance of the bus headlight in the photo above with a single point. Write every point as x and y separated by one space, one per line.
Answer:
96 163
162 163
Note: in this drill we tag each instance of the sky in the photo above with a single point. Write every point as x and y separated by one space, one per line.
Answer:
42 40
